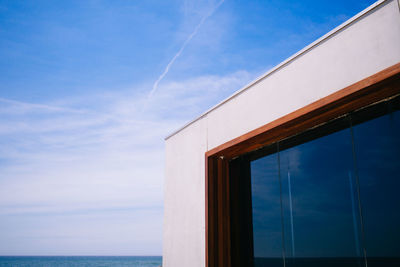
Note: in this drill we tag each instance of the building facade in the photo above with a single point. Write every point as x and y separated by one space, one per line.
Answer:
302 166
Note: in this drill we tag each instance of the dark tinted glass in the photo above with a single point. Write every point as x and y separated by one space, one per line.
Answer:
330 196
267 230
321 213
377 145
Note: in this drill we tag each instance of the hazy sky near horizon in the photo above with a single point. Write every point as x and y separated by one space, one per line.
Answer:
89 89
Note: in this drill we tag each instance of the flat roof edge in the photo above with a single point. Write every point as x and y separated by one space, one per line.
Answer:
285 62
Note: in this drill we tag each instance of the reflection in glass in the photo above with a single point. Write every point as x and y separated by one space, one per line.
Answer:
330 196
320 214
267 230
377 147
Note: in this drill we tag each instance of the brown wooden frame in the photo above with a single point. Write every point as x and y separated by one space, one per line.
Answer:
375 88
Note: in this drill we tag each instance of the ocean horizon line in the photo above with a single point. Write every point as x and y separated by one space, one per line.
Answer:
80 255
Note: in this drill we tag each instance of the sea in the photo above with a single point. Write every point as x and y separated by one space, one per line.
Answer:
80 261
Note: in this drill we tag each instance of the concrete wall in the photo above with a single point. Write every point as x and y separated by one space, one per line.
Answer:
367 44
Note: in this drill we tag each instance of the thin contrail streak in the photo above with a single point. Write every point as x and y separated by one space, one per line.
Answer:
29 106
155 85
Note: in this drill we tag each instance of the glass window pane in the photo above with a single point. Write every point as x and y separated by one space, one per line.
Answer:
321 212
377 145
267 232
306 197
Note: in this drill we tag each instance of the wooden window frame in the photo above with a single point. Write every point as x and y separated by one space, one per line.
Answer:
218 239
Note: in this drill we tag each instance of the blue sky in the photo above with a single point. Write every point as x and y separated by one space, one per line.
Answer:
82 119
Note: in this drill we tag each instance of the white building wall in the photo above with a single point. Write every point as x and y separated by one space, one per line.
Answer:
367 45
184 198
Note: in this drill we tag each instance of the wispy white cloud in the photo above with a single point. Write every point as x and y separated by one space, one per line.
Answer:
105 160
87 171
18 107
111 142
121 233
